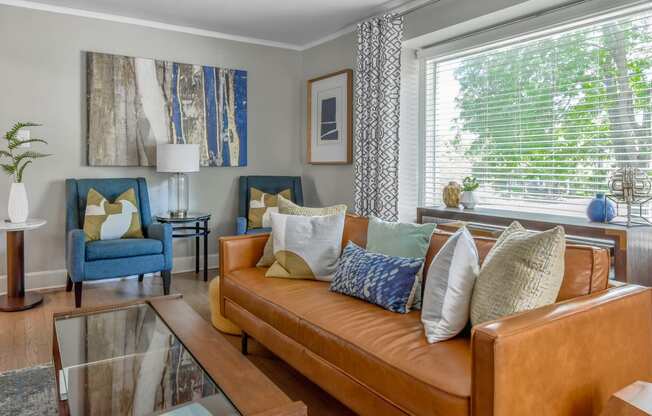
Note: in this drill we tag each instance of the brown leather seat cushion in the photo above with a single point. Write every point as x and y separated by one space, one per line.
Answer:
383 350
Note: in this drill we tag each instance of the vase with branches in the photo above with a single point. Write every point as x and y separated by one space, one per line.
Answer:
14 161
469 197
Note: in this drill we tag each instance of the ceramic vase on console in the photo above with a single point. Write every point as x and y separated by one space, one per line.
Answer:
18 208
451 194
469 199
601 209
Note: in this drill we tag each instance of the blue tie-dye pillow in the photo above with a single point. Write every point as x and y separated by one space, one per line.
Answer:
386 281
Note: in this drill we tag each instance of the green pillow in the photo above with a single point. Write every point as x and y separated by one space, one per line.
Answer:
400 239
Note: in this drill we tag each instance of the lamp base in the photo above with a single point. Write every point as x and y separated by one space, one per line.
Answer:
182 213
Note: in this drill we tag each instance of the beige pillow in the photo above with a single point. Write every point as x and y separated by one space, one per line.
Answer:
523 271
288 207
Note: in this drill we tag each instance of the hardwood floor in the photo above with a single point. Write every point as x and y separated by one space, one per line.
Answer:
26 337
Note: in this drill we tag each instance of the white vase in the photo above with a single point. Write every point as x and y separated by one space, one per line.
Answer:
469 199
18 208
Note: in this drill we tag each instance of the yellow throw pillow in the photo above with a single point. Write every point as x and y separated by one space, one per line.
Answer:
109 221
261 204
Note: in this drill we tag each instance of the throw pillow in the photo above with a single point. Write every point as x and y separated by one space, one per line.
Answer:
523 271
261 204
285 206
449 286
383 280
404 240
109 221
306 247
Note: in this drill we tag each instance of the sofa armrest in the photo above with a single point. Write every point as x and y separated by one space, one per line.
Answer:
240 226
76 254
566 358
241 251
163 233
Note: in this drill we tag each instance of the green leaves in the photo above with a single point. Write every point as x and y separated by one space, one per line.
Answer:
19 162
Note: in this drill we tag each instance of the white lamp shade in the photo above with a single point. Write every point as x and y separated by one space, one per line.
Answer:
177 158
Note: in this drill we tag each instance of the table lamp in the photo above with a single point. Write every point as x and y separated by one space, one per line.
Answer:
179 159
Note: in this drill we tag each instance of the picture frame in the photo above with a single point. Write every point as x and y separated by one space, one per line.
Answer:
330 119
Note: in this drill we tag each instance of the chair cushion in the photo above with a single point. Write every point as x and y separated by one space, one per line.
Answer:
127 247
259 230
385 351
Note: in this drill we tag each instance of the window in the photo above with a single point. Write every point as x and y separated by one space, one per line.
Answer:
542 123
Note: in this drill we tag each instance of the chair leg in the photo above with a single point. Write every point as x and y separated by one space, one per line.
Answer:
140 277
166 275
68 284
78 294
244 343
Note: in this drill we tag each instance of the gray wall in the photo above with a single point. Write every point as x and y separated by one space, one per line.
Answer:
42 78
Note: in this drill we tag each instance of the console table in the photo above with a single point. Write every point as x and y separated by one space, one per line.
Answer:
632 247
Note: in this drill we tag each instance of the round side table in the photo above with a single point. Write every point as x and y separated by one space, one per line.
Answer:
16 299
180 229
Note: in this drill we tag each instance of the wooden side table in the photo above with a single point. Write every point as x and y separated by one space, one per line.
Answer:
633 400
16 299
181 229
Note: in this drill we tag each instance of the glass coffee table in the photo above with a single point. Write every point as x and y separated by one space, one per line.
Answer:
139 359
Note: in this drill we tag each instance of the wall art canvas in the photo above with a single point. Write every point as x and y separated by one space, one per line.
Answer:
136 103
330 118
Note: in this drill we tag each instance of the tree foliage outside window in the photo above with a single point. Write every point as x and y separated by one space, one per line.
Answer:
547 121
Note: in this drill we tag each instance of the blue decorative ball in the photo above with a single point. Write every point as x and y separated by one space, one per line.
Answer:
596 209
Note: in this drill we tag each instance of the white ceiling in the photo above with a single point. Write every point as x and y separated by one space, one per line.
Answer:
296 23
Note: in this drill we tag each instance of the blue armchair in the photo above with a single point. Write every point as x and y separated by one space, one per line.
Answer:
106 259
267 184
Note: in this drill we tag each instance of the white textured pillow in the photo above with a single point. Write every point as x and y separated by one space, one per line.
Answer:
449 287
523 271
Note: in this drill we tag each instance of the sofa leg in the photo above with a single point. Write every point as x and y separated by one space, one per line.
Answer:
68 284
166 275
140 277
244 343
78 294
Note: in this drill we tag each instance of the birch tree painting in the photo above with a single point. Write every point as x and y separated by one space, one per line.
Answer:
136 103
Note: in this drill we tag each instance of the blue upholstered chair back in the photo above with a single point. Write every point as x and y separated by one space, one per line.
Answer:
270 185
77 190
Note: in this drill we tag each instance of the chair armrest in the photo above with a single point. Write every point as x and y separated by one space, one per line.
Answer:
241 251
76 254
240 226
163 233
566 358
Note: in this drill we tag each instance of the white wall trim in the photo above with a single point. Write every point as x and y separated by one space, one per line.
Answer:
147 23
54 279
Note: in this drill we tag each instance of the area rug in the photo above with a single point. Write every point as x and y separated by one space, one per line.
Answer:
28 391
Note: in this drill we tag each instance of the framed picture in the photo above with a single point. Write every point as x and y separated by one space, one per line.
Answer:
330 118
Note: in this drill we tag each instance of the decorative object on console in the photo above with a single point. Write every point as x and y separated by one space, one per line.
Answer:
330 118
601 209
377 97
630 186
180 159
287 207
108 221
451 194
261 205
449 285
306 247
383 280
523 271
19 137
136 103
469 198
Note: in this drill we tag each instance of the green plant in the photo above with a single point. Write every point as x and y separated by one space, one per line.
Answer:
470 184
18 161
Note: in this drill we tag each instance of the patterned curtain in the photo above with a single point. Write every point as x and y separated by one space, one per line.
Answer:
377 96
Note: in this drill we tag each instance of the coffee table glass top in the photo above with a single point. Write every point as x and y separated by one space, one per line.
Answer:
126 361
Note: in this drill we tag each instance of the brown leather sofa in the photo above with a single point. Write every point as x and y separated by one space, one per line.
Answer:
562 359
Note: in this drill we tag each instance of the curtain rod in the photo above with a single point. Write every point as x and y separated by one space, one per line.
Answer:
415 7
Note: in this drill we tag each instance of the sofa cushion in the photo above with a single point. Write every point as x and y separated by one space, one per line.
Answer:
129 247
383 350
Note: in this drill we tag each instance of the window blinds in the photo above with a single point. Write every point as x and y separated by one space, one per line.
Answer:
542 123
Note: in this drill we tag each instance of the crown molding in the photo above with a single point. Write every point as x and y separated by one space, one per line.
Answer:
147 23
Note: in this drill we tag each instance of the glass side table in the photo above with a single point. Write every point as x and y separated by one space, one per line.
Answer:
182 229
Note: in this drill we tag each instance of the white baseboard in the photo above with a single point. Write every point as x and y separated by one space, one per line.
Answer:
51 279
